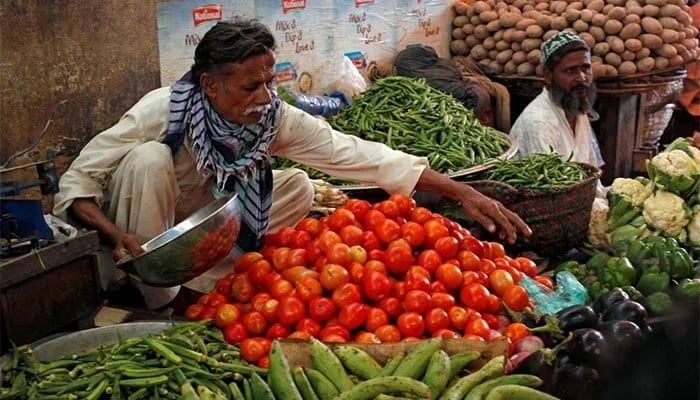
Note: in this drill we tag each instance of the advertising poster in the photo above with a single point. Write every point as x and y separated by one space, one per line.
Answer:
181 25
425 23
365 31
301 28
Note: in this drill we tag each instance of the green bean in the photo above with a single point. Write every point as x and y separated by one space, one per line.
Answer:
539 171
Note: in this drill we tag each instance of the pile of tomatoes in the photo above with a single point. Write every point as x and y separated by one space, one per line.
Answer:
370 273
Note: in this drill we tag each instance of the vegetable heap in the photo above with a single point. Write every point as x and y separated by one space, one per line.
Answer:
409 115
538 171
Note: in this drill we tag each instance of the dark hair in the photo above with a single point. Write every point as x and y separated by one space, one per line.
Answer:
231 42
570 47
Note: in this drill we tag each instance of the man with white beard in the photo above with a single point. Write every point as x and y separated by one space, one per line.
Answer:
558 118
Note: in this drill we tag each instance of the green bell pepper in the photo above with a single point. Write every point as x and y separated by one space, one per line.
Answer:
688 288
653 281
618 272
633 293
658 303
597 262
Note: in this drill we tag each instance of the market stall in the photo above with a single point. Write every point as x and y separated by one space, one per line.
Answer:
387 296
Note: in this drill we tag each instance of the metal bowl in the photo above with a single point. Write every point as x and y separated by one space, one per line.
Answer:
190 248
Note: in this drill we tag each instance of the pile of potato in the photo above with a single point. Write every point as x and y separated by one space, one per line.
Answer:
625 36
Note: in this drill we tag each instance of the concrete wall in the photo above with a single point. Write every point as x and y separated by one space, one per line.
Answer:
76 63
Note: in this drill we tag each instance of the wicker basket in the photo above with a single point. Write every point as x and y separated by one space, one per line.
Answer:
558 218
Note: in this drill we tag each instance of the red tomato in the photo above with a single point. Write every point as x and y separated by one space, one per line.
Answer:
417 282
333 275
375 285
298 274
301 335
356 270
391 306
497 250
527 266
213 299
442 300
410 324
398 259
193 311
417 301
376 317
351 235
310 225
258 271
308 288
280 258
339 253
358 254
280 288
353 315
449 275
399 289
309 325
291 310
327 238
341 217
370 241
420 270
429 259
358 207
235 333
373 218
375 265
277 331
500 281
515 331
269 309
516 298
387 230
437 287
366 337
474 295
330 331
421 215
388 207
345 294
297 257
546 282
493 304
458 317
252 350
434 230
388 334
468 261
245 260
300 239
255 323
479 327
406 204
446 334
284 236
436 319
225 314
376 254
223 285
321 309
492 320
446 246
264 362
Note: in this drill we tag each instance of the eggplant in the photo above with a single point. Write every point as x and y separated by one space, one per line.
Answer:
576 317
628 310
622 336
587 345
536 364
607 299
576 382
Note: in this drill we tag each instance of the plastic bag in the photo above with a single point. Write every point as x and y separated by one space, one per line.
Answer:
325 106
569 291
348 81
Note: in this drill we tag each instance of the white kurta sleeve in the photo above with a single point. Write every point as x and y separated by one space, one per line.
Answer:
538 136
89 173
313 142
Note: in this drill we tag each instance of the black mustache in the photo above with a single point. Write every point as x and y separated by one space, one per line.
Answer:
580 86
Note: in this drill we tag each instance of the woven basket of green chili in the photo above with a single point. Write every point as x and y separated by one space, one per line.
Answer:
555 201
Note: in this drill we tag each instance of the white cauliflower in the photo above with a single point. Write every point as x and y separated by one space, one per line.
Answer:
598 224
693 228
674 163
695 153
667 213
634 189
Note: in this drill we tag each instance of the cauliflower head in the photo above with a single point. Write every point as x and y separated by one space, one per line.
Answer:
667 213
598 224
693 228
674 163
632 188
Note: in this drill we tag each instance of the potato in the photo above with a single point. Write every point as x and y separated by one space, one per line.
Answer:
559 7
510 67
539 69
580 26
633 44
524 23
572 15
545 21
498 35
547 35
530 44
503 56
471 41
458 33
599 20
589 39
669 36
631 19
684 19
481 32
596 5
559 23
597 32
489 43
493 26
651 41
635 10
532 14
460 20
628 55
658 3
617 13
461 8
666 50
617 2
484 64
508 19
669 23
534 56
607 8
502 45
601 49
519 57
587 15
488 16
651 10
519 36
480 6
631 31
542 6
525 69
508 34
534 31
598 70
492 54
612 27
690 43
478 52
661 62
610 70
495 67
675 61
652 25
468 29
643 53
670 10
645 64
475 20
611 58
459 47
616 44
627 68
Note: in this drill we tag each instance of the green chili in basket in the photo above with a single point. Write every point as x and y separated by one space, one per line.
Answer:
540 171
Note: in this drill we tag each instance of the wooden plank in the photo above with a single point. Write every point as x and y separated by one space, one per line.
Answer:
18 269
617 134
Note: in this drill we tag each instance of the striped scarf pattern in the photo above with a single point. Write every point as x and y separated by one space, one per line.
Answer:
236 154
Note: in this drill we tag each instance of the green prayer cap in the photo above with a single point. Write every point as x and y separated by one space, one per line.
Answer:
556 42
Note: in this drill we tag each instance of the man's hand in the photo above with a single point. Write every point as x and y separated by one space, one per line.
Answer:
127 244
